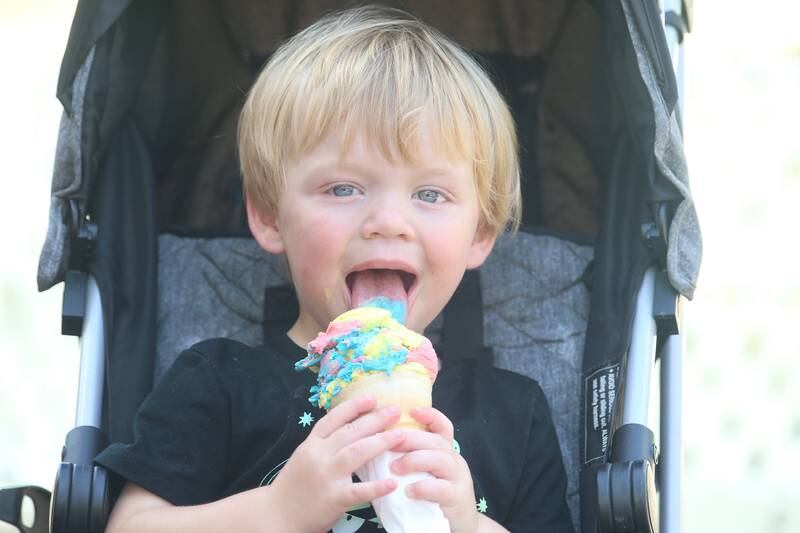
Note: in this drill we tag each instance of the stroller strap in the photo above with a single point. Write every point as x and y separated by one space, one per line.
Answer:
280 310
462 330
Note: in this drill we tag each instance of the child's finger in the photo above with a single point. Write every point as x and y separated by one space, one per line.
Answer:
434 490
342 414
435 420
364 426
424 440
357 493
354 455
440 464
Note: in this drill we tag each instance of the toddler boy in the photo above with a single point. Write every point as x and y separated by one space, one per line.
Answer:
379 158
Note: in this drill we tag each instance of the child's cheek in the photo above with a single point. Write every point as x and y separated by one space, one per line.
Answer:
319 247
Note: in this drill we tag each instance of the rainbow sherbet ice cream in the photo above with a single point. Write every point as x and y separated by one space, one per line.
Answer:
366 350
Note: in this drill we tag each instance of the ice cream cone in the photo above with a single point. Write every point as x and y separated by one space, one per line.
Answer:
366 351
407 387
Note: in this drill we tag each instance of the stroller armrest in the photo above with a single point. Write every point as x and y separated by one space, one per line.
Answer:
11 508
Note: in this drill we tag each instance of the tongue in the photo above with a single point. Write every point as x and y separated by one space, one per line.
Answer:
380 288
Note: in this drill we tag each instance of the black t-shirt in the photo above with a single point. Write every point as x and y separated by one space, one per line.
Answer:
226 417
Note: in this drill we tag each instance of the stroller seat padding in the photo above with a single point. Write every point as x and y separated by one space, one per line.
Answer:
535 311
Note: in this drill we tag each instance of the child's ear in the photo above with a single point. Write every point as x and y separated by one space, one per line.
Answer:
264 228
481 248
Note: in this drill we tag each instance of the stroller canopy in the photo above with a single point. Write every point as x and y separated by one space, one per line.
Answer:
578 75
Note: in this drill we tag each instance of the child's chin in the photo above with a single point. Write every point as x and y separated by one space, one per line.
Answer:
413 323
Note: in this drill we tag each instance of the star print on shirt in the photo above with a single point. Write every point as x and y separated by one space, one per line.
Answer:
456 446
306 420
481 505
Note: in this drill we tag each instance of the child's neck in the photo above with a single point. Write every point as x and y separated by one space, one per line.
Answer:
303 331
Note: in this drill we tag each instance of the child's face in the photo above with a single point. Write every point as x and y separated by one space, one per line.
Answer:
344 213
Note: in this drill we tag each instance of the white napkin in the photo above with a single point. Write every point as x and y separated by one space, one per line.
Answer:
397 512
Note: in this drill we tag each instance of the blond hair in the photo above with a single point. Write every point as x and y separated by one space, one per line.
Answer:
381 71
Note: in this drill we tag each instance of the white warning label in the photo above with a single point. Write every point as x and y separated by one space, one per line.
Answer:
601 391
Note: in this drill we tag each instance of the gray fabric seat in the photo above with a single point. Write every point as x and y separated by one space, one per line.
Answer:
535 312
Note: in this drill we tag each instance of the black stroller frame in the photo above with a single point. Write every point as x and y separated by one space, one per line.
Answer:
647 257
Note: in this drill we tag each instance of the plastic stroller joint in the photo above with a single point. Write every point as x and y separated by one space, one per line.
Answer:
655 242
73 307
677 21
667 306
678 14
81 246
655 232
81 501
82 444
626 491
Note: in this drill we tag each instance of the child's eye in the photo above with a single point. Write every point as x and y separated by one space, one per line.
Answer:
343 189
430 196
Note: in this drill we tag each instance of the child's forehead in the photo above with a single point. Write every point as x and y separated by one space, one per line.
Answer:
426 148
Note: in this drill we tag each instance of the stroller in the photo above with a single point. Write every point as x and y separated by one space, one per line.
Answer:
148 231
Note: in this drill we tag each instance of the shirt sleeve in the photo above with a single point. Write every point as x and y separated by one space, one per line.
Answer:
540 503
181 436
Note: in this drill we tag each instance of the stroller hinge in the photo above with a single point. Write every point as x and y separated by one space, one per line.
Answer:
667 306
667 303
626 491
81 501
73 305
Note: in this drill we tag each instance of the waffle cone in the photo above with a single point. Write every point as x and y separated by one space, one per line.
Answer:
407 387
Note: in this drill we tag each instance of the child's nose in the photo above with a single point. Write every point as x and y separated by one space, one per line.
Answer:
388 219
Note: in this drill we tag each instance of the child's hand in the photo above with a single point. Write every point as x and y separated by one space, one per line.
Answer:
433 452
315 487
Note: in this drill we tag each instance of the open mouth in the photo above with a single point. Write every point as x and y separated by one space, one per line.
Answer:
368 283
